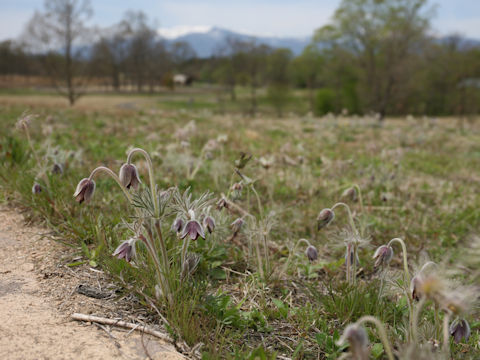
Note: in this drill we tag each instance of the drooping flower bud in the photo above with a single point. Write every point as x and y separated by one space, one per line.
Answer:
312 253
237 225
126 250
237 190
129 176
350 194
222 203
383 255
357 338
209 223
57 169
460 329
177 225
84 191
193 229
324 218
415 285
36 188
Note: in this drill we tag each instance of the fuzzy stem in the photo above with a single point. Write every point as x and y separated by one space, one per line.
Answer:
183 255
151 175
381 331
267 258
114 176
348 263
416 315
259 203
446 334
197 167
405 262
350 216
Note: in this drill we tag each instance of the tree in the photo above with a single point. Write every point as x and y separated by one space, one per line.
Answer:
307 68
278 78
382 35
57 33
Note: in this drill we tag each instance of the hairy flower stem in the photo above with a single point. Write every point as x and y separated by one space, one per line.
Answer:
150 243
163 249
407 278
348 271
183 255
350 216
267 258
191 176
114 176
35 155
151 175
446 335
414 322
405 261
381 331
259 202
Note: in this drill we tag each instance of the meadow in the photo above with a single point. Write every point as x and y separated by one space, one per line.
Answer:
276 277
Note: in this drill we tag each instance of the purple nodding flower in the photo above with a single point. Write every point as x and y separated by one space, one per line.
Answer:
237 225
460 329
222 203
312 253
357 338
36 188
415 287
84 191
383 255
129 176
57 169
193 229
209 223
178 224
350 193
324 218
126 250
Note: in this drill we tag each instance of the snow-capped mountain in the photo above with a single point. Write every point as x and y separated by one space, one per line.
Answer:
206 41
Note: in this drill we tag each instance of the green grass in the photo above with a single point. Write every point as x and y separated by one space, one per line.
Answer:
419 183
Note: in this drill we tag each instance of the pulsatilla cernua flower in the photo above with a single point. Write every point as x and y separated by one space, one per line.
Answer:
312 253
178 224
460 329
209 223
350 193
84 191
237 225
36 188
383 255
129 176
126 250
324 218
193 229
357 338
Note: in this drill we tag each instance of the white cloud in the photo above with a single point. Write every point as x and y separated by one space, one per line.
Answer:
176 31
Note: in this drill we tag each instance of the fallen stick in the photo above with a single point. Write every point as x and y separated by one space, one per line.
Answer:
119 323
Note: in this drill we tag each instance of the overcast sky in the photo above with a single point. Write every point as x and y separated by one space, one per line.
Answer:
257 17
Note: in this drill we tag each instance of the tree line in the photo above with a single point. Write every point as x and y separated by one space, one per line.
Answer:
373 57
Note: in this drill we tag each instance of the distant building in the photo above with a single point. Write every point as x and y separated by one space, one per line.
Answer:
182 80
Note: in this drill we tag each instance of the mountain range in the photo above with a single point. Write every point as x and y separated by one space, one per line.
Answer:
207 41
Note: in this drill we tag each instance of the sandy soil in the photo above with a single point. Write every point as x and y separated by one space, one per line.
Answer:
37 297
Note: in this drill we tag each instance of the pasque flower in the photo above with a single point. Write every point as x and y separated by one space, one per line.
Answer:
126 250
237 225
324 218
84 190
357 338
193 229
311 252
129 176
209 223
36 188
178 224
460 329
383 255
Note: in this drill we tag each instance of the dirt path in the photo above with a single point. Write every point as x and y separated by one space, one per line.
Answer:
37 297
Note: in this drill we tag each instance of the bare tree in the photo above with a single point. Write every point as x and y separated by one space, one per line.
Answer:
57 33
